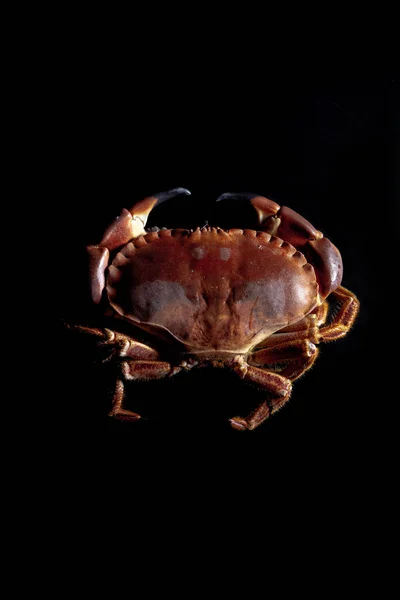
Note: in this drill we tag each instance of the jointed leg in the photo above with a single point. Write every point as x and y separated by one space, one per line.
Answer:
321 313
299 357
139 370
137 362
344 319
278 388
315 319
306 329
117 409
121 345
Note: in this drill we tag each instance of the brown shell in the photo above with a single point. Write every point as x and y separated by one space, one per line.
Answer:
213 290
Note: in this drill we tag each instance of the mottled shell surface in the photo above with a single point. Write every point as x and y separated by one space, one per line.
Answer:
213 290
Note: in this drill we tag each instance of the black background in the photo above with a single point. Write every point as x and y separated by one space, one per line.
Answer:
325 146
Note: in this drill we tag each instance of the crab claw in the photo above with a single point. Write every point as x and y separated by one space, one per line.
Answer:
142 209
327 263
265 207
129 225
291 227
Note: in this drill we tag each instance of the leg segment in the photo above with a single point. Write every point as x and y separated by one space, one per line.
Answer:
137 370
120 344
306 329
311 321
344 319
117 410
299 357
137 362
147 369
278 388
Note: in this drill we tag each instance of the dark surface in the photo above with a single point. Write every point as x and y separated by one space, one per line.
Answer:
327 151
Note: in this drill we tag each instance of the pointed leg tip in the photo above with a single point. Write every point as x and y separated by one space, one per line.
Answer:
238 424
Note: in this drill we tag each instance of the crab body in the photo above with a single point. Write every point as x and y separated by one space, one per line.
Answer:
252 300
213 290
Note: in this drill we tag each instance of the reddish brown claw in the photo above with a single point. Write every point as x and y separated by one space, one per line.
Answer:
264 206
128 226
293 228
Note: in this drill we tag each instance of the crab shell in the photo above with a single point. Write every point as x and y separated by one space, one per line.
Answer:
211 289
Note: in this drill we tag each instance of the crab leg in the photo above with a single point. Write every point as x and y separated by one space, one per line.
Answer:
301 356
129 225
123 345
344 318
117 410
147 369
140 362
277 386
306 329
138 370
315 319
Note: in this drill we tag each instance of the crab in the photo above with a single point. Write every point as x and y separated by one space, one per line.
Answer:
255 301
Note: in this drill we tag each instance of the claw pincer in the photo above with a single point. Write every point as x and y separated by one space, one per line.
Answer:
288 225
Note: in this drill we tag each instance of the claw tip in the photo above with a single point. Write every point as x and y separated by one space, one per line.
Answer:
182 191
236 196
